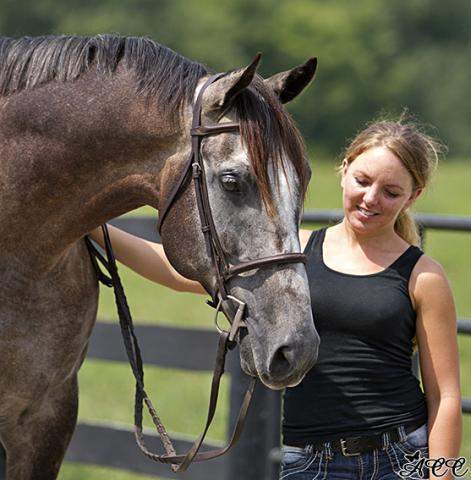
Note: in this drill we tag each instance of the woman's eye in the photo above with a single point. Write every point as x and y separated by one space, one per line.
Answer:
392 194
361 182
230 183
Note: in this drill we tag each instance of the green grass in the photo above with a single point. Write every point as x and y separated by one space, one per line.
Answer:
75 471
106 388
180 397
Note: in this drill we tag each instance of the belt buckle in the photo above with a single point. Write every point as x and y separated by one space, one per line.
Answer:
344 449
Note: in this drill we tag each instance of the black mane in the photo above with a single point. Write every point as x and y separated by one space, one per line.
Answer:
161 74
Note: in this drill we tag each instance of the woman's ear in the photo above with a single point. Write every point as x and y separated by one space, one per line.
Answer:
414 195
343 172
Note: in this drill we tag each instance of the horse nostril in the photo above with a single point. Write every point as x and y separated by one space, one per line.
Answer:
282 361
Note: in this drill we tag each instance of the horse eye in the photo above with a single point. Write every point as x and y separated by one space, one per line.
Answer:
230 183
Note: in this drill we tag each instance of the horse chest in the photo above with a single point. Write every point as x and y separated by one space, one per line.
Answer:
44 326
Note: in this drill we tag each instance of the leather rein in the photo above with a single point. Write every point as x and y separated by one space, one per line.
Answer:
224 271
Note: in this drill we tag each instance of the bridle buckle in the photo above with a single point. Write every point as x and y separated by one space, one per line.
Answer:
237 322
196 170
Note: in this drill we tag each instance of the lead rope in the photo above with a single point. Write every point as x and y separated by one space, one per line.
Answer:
179 462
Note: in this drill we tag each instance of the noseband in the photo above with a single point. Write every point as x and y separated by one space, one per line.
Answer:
224 271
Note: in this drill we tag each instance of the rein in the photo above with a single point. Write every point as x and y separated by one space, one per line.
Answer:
179 462
194 169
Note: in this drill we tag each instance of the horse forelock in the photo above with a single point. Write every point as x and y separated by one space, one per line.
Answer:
271 139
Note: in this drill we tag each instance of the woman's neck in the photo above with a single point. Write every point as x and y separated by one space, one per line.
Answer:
380 239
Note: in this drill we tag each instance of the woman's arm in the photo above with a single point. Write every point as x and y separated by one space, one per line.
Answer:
439 359
147 259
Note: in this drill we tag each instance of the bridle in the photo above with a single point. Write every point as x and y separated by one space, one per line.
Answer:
224 271
194 167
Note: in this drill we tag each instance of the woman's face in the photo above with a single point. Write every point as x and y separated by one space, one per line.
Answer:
376 187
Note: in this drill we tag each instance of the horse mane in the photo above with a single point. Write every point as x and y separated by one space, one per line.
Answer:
161 73
267 131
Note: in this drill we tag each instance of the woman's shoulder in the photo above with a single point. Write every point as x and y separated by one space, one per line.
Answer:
428 266
307 236
428 279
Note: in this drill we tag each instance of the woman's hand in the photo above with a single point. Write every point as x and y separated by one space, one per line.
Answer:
146 258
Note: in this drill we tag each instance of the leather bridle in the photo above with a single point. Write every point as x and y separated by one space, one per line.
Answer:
194 167
224 271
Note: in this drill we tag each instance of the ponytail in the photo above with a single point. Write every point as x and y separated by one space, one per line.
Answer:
406 228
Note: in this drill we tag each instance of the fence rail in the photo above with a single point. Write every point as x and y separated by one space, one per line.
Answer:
113 445
159 344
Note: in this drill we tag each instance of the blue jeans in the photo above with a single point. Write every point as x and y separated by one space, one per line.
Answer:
387 463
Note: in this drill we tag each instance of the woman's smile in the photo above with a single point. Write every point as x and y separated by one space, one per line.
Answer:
365 213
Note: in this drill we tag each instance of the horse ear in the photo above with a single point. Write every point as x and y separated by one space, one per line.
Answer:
288 85
220 94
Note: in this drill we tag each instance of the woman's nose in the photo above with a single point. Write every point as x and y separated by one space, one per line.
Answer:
371 196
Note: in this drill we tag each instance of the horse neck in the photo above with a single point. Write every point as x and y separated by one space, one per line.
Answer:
75 155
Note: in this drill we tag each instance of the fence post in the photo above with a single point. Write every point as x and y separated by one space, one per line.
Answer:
249 458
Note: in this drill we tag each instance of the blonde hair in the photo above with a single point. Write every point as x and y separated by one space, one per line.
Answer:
418 152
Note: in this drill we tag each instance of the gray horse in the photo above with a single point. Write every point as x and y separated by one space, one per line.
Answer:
91 128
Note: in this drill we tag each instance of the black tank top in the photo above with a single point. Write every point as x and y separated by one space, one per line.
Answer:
362 382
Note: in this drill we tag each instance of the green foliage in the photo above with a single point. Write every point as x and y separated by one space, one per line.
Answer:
374 55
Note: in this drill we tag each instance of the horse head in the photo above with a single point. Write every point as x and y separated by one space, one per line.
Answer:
256 178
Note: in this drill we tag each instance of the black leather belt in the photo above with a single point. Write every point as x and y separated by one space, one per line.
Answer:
352 446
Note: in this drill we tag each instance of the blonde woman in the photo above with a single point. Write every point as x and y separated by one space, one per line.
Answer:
360 413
